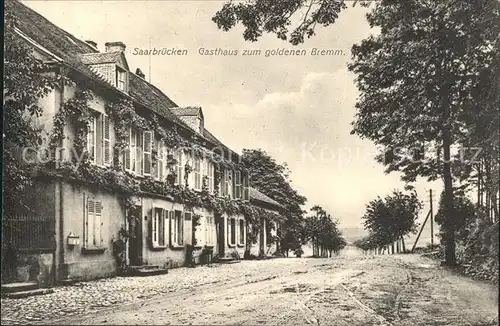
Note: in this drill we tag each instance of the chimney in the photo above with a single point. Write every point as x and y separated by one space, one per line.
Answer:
139 73
91 43
114 47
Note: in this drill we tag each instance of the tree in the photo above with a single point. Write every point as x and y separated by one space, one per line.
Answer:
391 218
416 78
273 179
26 80
276 17
323 233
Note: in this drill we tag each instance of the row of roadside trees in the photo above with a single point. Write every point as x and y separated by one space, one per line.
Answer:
389 220
428 79
299 228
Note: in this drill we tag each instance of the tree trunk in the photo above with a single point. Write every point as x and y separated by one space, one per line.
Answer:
392 247
448 225
403 244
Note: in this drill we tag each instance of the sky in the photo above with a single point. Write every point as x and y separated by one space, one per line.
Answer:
297 108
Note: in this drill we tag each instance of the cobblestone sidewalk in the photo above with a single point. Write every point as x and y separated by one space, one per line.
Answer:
87 297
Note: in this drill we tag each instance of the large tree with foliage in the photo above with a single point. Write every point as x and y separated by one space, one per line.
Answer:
26 80
322 231
417 78
290 20
391 218
273 179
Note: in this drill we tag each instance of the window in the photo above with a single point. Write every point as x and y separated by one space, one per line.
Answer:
133 155
98 140
231 231
197 173
93 224
159 228
210 176
226 188
178 167
209 230
237 185
241 237
208 173
177 229
121 82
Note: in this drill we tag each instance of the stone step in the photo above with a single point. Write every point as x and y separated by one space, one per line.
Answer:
19 287
228 261
144 267
25 294
148 272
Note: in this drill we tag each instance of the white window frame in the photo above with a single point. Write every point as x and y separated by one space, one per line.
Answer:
121 79
159 221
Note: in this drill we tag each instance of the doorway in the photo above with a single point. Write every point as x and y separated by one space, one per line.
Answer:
135 240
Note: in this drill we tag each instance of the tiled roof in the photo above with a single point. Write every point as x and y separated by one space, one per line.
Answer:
186 111
97 58
76 53
258 196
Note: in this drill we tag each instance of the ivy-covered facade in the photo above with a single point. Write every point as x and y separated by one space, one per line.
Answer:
127 177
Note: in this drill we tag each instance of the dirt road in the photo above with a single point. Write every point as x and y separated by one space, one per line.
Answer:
350 289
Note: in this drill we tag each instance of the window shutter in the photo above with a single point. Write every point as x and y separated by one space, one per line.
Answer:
158 153
90 222
99 140
106 141
246 186
147 149
237 232
237 186
173 238
229 231
133 150
126 158
154 226
166 227
138 152
197 176
188 228
98 224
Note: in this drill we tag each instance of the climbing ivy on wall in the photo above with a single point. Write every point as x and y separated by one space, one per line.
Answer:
78 113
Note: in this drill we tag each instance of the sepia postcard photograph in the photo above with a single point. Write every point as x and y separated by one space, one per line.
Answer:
251 162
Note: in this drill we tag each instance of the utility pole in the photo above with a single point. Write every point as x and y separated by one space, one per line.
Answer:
432 220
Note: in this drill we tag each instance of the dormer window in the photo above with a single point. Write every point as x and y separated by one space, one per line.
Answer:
121 79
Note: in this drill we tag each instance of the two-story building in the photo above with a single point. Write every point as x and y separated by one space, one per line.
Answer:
127 177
